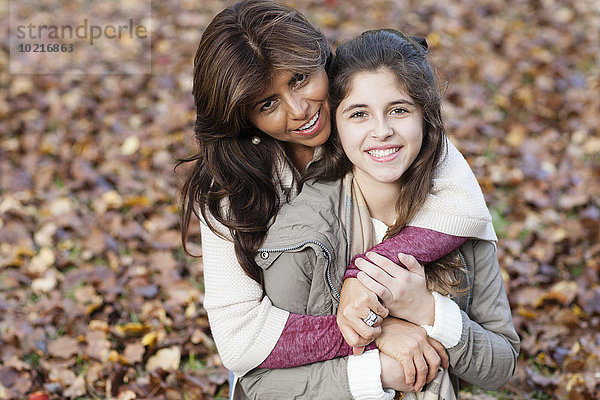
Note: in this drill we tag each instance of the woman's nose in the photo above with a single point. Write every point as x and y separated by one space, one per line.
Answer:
298 107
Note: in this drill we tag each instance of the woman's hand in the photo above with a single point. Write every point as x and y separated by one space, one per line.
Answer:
419 355
402 290
356 301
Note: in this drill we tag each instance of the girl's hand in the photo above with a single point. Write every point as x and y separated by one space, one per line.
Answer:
392 374
402 290
356 301
419 355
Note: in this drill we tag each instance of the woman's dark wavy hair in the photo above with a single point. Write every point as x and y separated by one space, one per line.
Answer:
406 58
232 179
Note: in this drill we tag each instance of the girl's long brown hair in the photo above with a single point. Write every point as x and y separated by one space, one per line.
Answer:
406 58
231 180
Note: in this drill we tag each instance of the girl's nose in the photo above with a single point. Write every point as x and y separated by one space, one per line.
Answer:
381 129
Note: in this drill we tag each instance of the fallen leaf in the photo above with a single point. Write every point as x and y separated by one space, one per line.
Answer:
168 359
63 347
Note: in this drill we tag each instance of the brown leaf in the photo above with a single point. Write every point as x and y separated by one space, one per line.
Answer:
63 347
98 346
134 353
76 389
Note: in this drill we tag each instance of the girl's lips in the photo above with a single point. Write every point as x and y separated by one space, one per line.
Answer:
316 127
384 154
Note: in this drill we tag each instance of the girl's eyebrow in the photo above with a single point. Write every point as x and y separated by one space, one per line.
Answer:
391 103
352 107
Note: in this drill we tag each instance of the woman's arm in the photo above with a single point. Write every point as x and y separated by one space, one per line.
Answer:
425 245
248 330
353 377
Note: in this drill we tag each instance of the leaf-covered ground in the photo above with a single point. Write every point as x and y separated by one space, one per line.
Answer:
97 299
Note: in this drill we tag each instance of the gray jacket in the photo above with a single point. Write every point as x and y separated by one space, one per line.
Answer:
304 258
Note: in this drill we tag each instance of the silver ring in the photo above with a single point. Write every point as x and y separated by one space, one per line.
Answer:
371 319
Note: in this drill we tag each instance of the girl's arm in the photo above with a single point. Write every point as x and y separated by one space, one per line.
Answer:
482 344
486 354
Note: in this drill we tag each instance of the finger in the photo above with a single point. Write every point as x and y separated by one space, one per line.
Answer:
380 290
364 334
422 372
433 362
441 352
378 322
369 300
349 334
411 264
358 350
375 271
409 371
390 267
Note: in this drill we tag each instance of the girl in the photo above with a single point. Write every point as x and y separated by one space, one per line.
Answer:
261 91
373 179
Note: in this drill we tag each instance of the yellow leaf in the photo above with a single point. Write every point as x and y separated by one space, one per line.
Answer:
98 325
574 380
132 328
433 39
149 338
130 145
141 201
113 356
527 313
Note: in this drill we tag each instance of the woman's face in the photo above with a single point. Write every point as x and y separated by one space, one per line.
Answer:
380 127
294 108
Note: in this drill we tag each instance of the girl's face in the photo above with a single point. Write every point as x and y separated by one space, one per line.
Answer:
380 127
294 108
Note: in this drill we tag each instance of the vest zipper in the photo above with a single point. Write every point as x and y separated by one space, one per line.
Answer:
466 267
325 250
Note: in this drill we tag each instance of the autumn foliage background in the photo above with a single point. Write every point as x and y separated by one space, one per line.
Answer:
97 299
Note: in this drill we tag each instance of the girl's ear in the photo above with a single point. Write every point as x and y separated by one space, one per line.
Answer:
421 41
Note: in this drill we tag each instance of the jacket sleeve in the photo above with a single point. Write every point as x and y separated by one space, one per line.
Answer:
486 354
246 327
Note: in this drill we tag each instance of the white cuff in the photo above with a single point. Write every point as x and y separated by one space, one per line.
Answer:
447 323
364 377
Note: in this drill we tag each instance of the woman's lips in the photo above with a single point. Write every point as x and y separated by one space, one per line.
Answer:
311 127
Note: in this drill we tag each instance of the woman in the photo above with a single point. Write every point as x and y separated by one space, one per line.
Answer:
261 99
389 125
